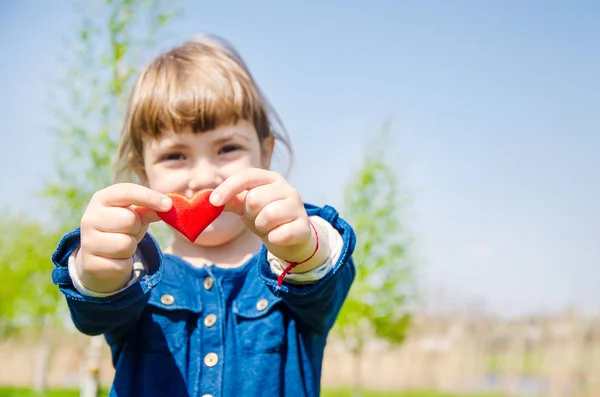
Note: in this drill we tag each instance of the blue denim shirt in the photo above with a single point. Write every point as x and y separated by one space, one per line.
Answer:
187 331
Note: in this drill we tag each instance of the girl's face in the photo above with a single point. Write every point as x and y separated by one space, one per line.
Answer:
187 162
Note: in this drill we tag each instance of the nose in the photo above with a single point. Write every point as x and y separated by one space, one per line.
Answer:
203 175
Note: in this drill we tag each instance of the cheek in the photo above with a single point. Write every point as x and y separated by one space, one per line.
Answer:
165 180
233 167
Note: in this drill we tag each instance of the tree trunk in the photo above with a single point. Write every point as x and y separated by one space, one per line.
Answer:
357 381
90 368
40 380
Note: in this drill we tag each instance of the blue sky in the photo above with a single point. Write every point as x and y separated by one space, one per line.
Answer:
496 124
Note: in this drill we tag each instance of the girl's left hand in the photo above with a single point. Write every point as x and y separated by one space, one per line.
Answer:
272 209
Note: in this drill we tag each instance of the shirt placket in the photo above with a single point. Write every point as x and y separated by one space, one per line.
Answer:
212 341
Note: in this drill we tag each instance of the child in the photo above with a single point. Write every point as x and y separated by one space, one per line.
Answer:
244 310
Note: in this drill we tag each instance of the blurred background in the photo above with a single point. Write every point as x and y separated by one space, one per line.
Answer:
460 138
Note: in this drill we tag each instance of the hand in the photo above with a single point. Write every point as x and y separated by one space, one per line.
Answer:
112 225
271 209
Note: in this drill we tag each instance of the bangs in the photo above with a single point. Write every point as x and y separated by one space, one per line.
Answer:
185 89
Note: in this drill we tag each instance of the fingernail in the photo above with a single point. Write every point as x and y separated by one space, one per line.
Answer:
165 202
215 199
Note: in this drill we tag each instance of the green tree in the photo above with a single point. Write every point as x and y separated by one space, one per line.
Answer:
377 304
102 60
28 300
25 249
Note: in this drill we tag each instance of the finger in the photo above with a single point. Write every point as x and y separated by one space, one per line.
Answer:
275 214
109 245
141 233
146 215
236 204
113 220
259 197
252 202
245 180
127 194
291 233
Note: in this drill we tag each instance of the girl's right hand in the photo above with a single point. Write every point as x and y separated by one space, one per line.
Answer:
112 225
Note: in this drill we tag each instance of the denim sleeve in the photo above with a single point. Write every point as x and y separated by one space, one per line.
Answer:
113 314
318 304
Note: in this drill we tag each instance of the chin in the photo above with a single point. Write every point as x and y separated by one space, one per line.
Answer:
225 228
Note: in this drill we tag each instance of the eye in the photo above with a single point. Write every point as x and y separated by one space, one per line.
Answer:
173 156
228 149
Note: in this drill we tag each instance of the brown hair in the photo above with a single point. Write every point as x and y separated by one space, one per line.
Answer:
202 84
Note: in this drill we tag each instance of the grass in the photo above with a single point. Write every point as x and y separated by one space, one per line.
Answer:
424 393
9 392
18 392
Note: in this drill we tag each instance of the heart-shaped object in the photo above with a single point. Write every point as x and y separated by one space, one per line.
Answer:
190 216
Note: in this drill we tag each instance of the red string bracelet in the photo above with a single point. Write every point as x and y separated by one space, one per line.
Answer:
294 264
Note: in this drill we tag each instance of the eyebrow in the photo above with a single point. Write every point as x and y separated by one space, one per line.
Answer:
230 136
174 145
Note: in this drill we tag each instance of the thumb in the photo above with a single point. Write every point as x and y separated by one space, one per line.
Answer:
237 203
146 215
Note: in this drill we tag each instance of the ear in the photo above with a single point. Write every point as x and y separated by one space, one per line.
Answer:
267 148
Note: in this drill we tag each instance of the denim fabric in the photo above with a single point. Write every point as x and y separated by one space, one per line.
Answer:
187 331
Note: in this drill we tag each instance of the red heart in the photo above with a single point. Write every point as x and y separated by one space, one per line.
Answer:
190 216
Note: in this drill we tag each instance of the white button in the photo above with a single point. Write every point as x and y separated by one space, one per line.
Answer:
262 304
211 359
210 320
208 283
167 299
